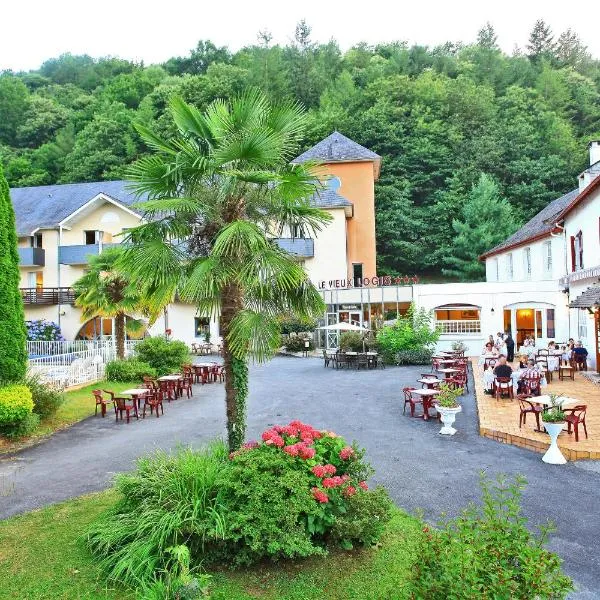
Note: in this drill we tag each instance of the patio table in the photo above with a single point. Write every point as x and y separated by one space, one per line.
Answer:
547 402
135 394
448 372
170 378
427 396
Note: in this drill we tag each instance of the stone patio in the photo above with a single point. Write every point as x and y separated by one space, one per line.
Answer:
499 419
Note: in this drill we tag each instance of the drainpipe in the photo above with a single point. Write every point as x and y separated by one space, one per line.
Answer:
60 231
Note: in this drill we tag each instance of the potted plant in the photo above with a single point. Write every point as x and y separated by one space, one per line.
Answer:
459 347
553 421
447 406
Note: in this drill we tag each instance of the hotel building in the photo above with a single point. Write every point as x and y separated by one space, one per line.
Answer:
542 281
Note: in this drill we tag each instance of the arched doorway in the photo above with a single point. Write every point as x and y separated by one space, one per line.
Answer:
102 328
533 319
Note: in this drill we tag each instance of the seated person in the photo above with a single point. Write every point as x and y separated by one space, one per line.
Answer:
528 341
523 360
551 345
566 354
532 371
489 348
579 354
502 369
571 344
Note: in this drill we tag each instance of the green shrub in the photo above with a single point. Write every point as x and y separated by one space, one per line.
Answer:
291 324
169 500
413 331
488 552
352 341
46 398
16 403
414 357
266 499
129 369
365 518
162 354
297 344
21 428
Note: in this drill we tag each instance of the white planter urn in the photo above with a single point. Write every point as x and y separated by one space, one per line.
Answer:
553 455
448 416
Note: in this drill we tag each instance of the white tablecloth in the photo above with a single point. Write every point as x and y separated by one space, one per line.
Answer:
488 379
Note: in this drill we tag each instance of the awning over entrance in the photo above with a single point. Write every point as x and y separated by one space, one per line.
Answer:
589 298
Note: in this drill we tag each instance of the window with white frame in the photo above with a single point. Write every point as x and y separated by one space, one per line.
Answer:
496 269
509 266
582 320
547 257
527 262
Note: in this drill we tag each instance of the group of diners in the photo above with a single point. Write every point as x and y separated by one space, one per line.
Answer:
340 359
453 366
535 369
153 391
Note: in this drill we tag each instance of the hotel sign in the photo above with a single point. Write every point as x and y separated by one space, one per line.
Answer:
357 282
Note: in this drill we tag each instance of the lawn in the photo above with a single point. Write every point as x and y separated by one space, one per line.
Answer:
42 557
79 404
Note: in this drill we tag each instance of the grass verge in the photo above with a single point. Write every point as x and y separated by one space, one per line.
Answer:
78 405
42 557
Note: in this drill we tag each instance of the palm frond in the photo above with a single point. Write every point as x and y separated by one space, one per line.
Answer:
253 333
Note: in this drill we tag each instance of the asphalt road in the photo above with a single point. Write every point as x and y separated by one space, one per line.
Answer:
421 469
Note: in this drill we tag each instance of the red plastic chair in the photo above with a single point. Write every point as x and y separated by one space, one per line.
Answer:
101 402
154 401
503 385
531 385
527 407
124 405
409 399
576 416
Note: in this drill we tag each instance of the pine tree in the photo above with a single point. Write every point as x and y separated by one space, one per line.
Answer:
487 38
13 354
541 41
570 50
487 220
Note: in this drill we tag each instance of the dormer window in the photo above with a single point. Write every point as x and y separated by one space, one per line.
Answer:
92 237
36 241
577 252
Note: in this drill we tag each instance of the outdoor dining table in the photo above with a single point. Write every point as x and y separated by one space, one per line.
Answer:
546 401
427 396
136 394
199 367
448 372
448 361
170 378
430 382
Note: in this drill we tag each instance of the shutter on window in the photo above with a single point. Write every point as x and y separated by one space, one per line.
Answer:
573 253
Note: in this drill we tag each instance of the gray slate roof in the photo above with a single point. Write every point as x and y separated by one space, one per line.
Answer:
590 297
47 205
329 198
337 148
542 223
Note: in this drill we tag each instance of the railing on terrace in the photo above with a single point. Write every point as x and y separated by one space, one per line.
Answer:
459 327
48 295
67 364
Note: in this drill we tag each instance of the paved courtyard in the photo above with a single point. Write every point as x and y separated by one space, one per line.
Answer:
420 468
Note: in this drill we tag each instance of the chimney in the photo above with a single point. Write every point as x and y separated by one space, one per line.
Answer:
593 171
594 148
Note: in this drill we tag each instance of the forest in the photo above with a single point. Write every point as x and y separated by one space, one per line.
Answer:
474 141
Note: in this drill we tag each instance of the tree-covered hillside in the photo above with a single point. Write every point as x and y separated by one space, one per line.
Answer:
440 117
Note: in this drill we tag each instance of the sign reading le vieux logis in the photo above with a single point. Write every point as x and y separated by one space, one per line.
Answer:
356 282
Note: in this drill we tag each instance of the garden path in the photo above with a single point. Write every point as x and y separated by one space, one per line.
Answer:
421 469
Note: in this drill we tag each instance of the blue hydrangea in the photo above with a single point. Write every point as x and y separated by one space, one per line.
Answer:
40 330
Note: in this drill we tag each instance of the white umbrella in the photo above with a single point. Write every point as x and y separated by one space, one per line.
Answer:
344 326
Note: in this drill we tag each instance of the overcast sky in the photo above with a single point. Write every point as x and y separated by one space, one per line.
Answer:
35 30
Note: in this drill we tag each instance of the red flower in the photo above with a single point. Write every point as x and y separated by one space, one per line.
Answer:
319 470
363 485
331 482
319 495
330 469
349 491
306 453
346 452
292 450
278 441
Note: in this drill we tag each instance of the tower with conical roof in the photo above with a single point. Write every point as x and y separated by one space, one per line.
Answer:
357 169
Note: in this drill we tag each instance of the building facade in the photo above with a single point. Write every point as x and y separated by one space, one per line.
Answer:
543 281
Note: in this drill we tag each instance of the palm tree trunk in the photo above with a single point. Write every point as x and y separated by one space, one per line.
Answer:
120 334
236 370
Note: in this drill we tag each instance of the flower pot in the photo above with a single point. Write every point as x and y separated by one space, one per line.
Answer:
448 416
553 455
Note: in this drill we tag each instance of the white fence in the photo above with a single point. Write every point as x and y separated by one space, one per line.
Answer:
67 364
459 327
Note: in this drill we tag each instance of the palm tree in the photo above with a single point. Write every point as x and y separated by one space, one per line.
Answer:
104 291
218 191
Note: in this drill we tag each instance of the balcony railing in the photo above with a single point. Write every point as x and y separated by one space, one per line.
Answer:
41 295
32 257
459 327
304 247
78 254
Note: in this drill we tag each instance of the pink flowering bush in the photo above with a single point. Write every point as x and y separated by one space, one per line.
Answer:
297 490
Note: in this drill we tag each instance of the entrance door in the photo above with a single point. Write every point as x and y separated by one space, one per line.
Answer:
332 334
355 319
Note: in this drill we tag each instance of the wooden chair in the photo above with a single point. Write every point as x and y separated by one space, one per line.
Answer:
503 385
542 361
221 373
379 364
362 362
169 389
154 401
101 402
532 385
150 382
543 352
490 363
124 405
409 399
528 407
566 372
186 383
576 416
461 380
